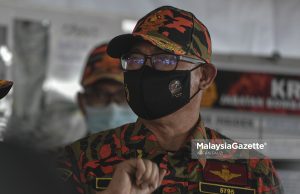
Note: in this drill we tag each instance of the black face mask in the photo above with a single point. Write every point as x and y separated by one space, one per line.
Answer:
152 94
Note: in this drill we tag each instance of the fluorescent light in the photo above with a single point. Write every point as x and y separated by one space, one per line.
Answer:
128 25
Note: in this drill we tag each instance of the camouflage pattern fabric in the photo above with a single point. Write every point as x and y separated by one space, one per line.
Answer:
88 164
172 30
99 66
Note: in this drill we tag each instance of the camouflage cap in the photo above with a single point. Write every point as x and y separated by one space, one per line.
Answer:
100 65
169 28
5 86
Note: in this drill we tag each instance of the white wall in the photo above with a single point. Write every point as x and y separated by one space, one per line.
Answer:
257 27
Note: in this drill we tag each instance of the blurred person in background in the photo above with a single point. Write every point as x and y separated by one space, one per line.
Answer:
103 101
166 63
24 170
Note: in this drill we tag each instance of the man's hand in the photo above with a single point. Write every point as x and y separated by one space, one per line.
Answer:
136 176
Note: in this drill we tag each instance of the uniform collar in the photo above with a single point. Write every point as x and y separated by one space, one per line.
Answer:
197 132
152 147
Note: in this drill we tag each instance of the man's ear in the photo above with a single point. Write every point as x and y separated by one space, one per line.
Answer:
80 101
209 72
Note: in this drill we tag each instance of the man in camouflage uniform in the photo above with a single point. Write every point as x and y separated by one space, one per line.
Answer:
167 67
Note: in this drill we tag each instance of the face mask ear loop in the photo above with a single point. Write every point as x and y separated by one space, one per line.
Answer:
198 88
195 93
200 65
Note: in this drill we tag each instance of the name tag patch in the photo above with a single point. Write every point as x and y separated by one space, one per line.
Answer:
223 189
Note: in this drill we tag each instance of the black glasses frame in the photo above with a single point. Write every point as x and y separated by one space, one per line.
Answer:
197 61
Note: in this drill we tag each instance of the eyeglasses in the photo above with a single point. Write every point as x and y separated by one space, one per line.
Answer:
161 62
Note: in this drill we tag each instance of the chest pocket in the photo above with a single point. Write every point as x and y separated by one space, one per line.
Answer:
101 183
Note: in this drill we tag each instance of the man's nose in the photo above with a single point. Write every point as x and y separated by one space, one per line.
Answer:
148 62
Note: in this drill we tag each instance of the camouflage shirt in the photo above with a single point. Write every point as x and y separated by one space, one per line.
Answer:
88 164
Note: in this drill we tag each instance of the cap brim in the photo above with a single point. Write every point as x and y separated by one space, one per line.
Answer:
5 86
123 43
